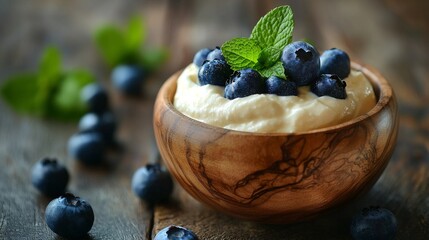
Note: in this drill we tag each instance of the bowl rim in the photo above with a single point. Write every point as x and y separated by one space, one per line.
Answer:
381 86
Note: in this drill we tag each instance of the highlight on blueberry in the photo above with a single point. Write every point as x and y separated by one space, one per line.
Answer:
175 233
374 223
50 177
69 216
335 61
201 56
215 54
281 87
329 85
128 79
215 72
152 183
245 83
87 147
301 63
95 97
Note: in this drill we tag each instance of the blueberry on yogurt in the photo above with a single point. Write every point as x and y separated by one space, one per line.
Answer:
301 62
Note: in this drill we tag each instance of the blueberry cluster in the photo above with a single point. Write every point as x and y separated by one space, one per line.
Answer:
67 215
302 65
96 128
323 73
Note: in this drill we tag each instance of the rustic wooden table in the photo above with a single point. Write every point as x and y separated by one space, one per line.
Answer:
391 35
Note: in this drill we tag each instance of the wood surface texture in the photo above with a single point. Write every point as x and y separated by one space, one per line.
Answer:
391 35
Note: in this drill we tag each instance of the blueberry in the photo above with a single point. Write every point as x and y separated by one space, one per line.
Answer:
152 183
104 123
201 56
175 233
95 97
69 216
329 85
215 54
87 147
50 177
245 83
301 63
374 223
281 87
215 72
335 61
128 79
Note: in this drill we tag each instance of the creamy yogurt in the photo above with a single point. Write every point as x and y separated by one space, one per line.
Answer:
268 113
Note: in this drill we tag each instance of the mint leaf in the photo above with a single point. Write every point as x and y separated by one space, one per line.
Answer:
20 92
135 34
241 53
111 44
50 63
274 29
48 76
268 57
275 70
66 103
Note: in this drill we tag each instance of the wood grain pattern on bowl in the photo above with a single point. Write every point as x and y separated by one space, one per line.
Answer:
272 177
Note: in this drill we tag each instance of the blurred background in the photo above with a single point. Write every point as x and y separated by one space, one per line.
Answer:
390 35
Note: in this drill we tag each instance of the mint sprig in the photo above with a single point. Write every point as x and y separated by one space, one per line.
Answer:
125 46
262 50
50 91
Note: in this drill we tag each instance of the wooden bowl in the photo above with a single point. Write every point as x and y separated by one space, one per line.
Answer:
275 177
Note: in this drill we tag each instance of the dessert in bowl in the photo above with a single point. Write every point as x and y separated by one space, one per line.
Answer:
277 177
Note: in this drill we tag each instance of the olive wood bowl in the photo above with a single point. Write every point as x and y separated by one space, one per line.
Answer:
277 177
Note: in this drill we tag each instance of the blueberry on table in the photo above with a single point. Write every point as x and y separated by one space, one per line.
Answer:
301 63
95 97
87 147
175 233
329 85
69 216
215 72
215 54
281 87
152 183
245 83
374 223
335 61
50 177
128 79
104 123
201 56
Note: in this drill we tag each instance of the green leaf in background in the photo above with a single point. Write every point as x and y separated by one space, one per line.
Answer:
48 76
66 103
111 45
275 28
49 92
135 34
124 46
152 58
241 53
20 92
275 70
